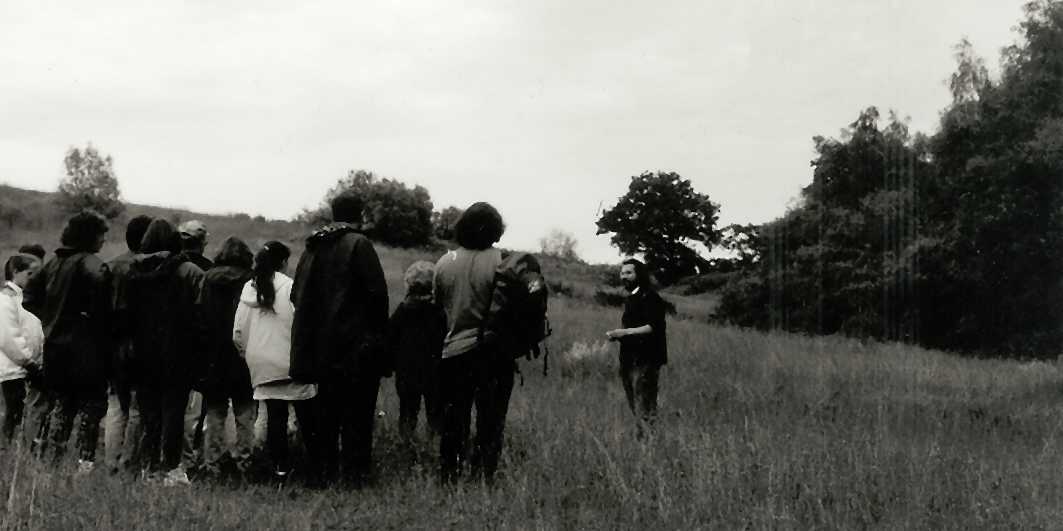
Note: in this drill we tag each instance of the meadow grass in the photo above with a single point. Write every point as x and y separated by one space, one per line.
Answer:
756 431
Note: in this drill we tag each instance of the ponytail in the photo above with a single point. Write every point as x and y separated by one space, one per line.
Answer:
268 261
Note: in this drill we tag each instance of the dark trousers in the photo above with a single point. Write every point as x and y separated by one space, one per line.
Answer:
640 381
411 389
14 404
162 411
484 379
346 411
91 403
277 432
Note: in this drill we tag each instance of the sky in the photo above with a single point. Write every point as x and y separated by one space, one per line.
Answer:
545 109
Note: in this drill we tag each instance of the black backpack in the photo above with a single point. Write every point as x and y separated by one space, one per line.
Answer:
517 319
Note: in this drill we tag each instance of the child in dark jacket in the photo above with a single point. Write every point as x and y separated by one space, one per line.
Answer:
415 343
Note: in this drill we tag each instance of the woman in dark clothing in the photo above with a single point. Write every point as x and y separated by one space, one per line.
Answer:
72 297
226 377
167 341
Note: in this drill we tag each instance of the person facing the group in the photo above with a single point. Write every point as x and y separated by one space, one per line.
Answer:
416 332
472 371
341 312
72 297
121 430
643 342
262 332
226 377
167 339
21 340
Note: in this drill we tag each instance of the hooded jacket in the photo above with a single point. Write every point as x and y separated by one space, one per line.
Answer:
71 295
225 371
167 328
341 307
21 336
265 336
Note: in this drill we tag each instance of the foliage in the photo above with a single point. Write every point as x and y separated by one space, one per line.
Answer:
954 241
560 244
90 183
393 214
443 222
658 217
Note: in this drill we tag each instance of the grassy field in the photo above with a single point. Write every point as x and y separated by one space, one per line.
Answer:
758 431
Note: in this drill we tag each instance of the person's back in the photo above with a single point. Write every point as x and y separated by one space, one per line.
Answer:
219 298
463 289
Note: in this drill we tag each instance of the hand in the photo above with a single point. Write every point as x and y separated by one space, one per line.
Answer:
615 335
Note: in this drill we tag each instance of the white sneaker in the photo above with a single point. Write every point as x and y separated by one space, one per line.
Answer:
85 467
176 478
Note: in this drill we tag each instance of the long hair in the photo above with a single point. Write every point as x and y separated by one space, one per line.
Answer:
234 252
81 231
18 263
268 261
479 227
134 231
160 236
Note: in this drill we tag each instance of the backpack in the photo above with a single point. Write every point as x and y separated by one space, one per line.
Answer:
517 318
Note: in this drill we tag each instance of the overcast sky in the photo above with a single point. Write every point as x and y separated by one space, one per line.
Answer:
545 109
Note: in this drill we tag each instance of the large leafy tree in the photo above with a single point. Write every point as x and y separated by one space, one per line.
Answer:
659 217
90 183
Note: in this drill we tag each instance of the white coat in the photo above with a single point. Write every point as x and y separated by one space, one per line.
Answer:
21 336
265 337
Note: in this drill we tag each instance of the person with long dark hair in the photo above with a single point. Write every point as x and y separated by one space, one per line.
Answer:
341 315
167 339
643 342
472 372
262 332
226 378
72 297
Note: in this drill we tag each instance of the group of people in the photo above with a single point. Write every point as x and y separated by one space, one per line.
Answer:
166 343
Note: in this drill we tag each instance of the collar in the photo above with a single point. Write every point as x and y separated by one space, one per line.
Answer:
13 287
636 290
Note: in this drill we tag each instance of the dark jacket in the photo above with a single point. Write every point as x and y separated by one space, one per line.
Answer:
341 307
225 372
415 340
167 328
72 297
645 308
120 267
201 261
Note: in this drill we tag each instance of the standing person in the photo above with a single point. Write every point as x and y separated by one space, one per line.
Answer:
226 378
643 342
341 313
193 244
21 340
262 331
415 342
472 371
72 297
121 429
167 339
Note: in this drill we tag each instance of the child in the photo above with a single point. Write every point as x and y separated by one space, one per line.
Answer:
262 333
415 342
21 340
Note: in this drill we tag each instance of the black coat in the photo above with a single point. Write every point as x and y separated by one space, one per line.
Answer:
415 341
71 295
341 308
167 327
225 371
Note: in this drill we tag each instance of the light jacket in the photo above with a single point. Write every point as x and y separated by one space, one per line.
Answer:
21 335
463 287
265 337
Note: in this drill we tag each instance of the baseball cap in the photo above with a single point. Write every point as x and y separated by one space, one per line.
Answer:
193 229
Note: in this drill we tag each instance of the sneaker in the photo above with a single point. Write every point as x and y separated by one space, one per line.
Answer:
176 478
85 467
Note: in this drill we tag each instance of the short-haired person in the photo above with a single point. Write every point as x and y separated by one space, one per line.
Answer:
643 342
167 340
72 297
341 315
21 340
193 244
472 371
121 427
225 378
